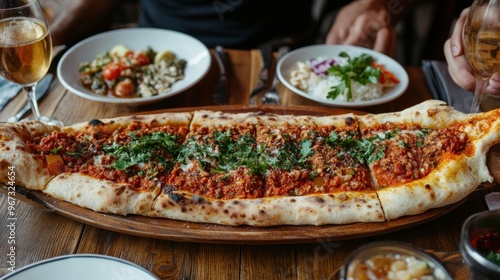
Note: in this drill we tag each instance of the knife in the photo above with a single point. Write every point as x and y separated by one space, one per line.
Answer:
265 52
41 89
221 89
8 90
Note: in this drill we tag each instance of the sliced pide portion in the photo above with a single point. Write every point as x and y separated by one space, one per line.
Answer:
113 165
305 155
218 161
427 156
219 157
309 162
18 165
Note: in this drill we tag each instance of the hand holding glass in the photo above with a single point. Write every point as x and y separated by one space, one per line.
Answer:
481 40
25 48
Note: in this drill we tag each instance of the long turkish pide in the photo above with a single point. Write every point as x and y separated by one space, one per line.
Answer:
255 168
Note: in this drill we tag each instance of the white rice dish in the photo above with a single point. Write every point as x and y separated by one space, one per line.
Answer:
304 78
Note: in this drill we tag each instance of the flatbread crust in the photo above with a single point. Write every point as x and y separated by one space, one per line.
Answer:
321 209
104 195
111 125
452 180
101 195
457 175
30 170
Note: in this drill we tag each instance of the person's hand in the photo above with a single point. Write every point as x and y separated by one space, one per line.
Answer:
364 23
458 66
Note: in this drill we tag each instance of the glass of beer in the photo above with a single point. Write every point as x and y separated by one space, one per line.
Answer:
25 48
481 40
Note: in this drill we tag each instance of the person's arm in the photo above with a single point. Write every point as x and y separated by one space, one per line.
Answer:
458 67
369 23
81 18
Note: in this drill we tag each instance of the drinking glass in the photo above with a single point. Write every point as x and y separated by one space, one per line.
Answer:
25 48
481 40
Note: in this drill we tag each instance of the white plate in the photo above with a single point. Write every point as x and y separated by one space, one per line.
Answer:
288 62
183 46
81 267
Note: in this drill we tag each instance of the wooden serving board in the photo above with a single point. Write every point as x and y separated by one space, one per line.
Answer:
212 233
220 234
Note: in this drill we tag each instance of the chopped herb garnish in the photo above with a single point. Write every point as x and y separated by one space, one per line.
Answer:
423 132
419 143
365 150
55 150
290 155
159 148
403 144
358 69
226 154
494 257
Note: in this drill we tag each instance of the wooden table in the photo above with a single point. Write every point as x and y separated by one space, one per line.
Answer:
41 234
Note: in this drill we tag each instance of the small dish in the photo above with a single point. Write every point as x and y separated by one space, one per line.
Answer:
81 267
183 46
480 229
384 254
289 61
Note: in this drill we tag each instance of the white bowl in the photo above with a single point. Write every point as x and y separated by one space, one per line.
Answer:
81 267
288 62
183 46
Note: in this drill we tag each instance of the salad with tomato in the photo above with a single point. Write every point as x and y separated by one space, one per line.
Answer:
125 73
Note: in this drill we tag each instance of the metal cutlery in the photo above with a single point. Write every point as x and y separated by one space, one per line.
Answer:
41 89
265 52
272 97
221 89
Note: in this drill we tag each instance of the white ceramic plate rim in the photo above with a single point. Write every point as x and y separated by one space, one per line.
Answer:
288 61
161 39
81 258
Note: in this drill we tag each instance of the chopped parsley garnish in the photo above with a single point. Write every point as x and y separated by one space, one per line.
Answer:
55 150
160 148
290 155
225 154
423 132
494 257
364 150
358 69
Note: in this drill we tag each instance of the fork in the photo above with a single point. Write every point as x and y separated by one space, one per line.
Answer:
272 96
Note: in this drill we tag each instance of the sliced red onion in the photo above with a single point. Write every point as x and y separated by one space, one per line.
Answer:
320 67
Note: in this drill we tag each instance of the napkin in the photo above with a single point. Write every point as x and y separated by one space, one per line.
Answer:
444 88
8 90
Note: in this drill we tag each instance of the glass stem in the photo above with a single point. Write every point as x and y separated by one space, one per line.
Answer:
481 84
30 91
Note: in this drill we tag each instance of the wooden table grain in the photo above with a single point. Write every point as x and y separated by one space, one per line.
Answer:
41 234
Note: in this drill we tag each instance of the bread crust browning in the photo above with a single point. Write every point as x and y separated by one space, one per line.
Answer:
454 175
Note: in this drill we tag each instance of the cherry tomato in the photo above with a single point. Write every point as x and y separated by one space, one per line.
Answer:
111 71
125 88
141 58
